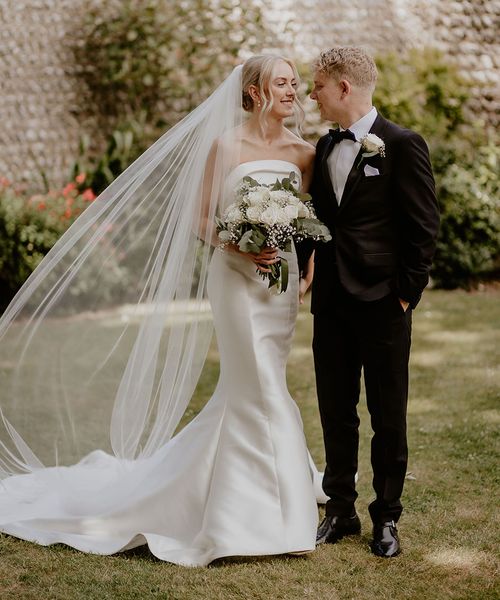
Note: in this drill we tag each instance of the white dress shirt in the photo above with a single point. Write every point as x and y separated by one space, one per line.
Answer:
344 153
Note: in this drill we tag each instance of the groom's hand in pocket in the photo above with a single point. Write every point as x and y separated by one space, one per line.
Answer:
304 285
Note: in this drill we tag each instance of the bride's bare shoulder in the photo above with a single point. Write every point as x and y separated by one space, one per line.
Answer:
230 141
308 150
303 150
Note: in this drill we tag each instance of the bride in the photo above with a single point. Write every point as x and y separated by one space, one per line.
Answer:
102 349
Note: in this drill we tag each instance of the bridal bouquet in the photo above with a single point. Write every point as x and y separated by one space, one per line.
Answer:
270 216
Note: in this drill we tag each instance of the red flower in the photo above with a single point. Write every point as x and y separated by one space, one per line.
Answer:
68 189
4 181
88 195
41 206
67 213
80 178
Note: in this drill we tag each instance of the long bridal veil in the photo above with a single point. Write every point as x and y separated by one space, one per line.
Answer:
104 344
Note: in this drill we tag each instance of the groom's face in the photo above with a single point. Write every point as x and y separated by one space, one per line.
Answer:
328 94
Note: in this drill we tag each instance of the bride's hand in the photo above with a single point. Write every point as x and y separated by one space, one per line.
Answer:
267 256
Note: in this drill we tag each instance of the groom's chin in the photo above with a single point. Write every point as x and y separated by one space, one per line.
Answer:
323 115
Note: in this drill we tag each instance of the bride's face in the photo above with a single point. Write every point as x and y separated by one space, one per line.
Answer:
282 88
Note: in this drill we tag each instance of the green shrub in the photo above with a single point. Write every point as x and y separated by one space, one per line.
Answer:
31 225
124 146
424 92
469 241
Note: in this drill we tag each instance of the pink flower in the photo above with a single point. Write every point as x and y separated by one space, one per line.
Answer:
88 195
80 178
4 182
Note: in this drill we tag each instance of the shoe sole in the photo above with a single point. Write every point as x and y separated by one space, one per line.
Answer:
386 555
338 538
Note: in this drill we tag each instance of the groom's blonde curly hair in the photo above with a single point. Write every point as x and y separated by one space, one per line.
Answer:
348 62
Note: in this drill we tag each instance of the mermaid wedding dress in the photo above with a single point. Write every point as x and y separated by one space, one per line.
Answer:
237 480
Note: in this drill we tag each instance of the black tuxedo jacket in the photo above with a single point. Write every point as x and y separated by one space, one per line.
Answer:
384 231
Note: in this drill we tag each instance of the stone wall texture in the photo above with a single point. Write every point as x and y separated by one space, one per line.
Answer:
44 105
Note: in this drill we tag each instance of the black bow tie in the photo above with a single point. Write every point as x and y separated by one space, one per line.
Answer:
337 135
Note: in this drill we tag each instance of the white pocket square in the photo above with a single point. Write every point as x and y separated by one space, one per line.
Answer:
371 171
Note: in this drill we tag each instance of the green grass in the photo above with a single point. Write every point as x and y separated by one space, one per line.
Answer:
450 526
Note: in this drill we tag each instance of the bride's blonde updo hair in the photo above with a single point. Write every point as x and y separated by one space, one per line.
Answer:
258 71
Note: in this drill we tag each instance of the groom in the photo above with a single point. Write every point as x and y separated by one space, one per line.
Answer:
373 187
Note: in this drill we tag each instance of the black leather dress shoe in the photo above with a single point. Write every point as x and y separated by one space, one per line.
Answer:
385 540
332 529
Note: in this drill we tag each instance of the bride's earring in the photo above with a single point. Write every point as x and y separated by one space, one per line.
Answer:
258 104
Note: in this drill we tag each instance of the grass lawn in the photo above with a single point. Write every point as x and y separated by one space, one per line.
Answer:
450 527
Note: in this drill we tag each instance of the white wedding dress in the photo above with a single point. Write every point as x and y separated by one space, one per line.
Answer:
237 480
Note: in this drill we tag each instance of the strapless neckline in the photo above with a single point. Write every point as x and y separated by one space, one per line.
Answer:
268 160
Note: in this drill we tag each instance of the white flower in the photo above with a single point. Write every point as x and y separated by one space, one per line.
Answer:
292 212
234 214
283 197
224 236
254 213
303 211
258 195
271 215
372 144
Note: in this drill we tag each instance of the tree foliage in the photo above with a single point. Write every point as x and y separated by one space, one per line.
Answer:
164 57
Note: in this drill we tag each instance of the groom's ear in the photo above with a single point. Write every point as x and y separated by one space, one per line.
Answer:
345 87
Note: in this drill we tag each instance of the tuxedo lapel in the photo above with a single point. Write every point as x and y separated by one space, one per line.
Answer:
356 173
325 172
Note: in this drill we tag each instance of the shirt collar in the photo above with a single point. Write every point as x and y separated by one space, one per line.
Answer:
363 125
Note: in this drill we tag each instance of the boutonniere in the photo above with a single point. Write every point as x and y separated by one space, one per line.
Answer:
372 145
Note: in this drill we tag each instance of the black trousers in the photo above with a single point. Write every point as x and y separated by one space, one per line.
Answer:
375 336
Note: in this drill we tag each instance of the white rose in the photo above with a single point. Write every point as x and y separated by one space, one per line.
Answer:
303 211
257 196
271 215
282 197
254 213
234 215
372 143
292 212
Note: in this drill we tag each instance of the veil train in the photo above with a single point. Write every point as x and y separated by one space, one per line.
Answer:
104 344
